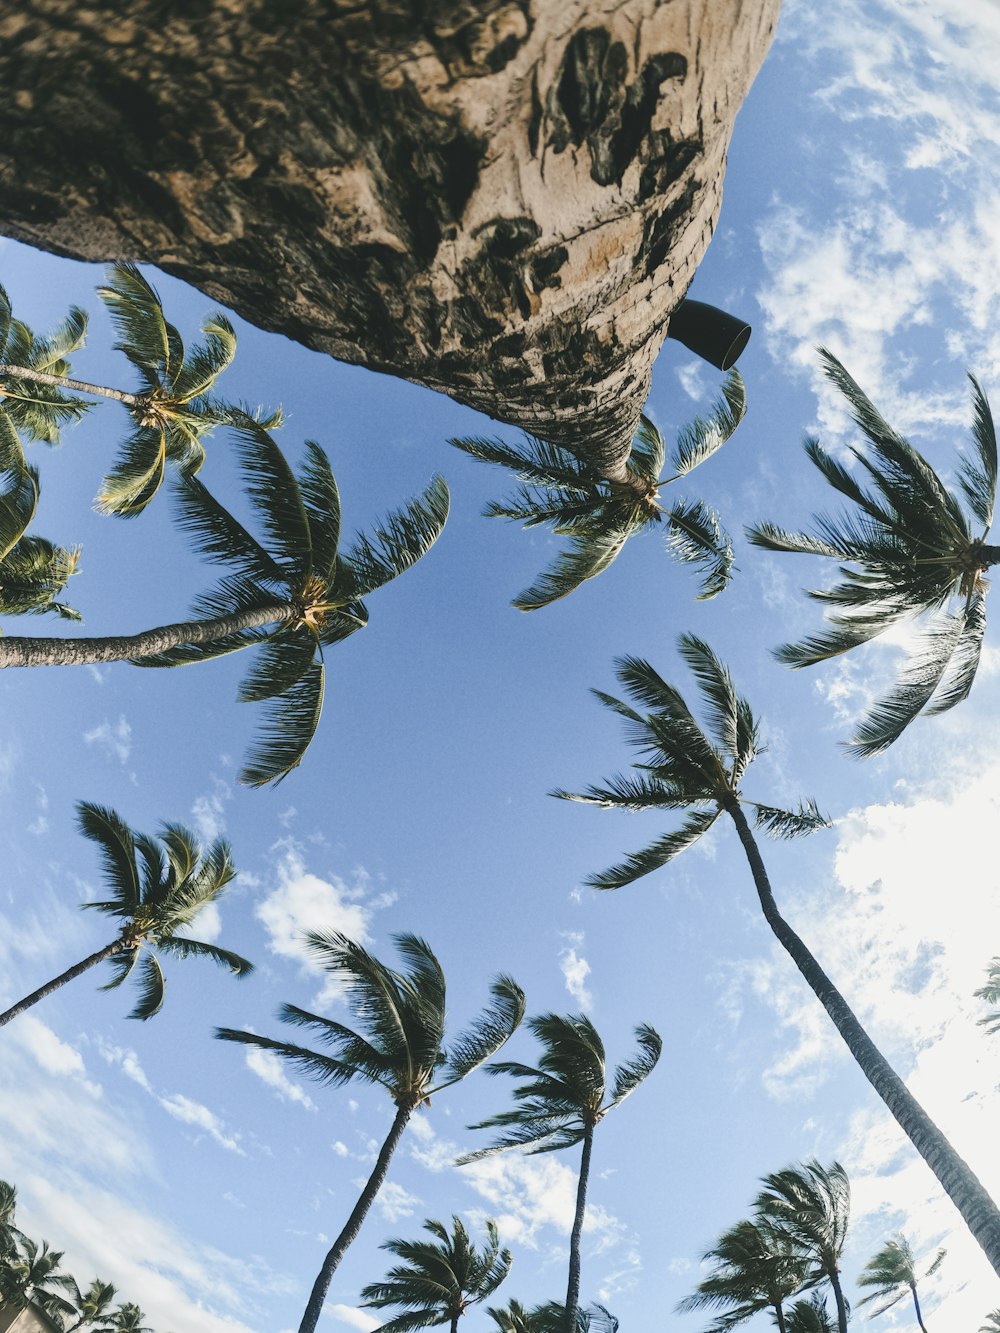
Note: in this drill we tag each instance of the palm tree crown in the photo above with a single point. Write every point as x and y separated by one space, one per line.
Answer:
912 549
753 1269
550 1317
301 569
892 1274
599 515
437 1281
991 994
400 1048
37 410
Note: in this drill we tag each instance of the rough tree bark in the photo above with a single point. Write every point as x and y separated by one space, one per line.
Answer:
501 199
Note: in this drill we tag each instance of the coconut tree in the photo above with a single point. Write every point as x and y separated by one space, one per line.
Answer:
128 1318
290 595
573 497
992 1323
683 767
438 1280
561 1102
400 1048
753 1269
809 1206
991 994
809 1315
911 549
157 888
32 1274
550 1318
93 1307
892 1274
172 412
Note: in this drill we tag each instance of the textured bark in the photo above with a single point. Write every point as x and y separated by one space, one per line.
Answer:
956 1178
71 972
338 1249
501 199
15 651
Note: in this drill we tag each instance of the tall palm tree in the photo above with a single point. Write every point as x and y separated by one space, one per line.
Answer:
436 1283
810 1207
598 516
8 1206
892 1273
911 550
157 888
682 767
753 1269
400 1048
991 994
93 1307
297 581
128 1318
32 1274
561 1102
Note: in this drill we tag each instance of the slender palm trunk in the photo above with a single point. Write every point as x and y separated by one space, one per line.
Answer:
28 652
573 1286
955 1177
779 1316
916 1306
838 1296
332 1261
64 382
75 971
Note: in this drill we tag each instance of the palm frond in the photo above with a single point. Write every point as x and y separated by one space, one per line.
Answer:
203 365
633 794
18 502
657 854
116 844
588 556
323 1068
276 497
695 536
991 994
964 662
279 665
717 690
772 538
648 452
978 479
290 722
137 475
701 438
216 533
183 947
629 1075
398 541
535 461
152 988
322 503
486 1034
789 823
137 314
121 965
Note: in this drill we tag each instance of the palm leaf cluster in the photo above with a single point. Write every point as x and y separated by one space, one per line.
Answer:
991 994
174 410
437 1280
35 409
33 571
158 886
299 568
550 1317
682 766
892 1275
909 548
598 516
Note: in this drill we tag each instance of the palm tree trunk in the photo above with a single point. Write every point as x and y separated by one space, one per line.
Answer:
955 1177
779 1316
64 382
31 652
573 1287
75 971
916 1306
838 1296
353 1225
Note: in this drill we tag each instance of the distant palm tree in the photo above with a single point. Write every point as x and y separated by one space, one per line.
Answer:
157 889
561 1102
8 1206
298 581
810 1207
992 1323
32 1274
684 768
128 1318
400 1049
551 1318
599 515
753 1269
26 358
93 1307
893 1274
809 1316
437 1283
910 551
991 994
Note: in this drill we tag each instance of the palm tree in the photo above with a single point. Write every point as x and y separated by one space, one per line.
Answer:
93 1306
598 515
400 1048
297 581
892 1273
8 1231
753 1269
551 1317
991 994
128 1318
559 1104
171 414
809 1206
437 1282
809 1316
911 551
156 892
32 1274
992 1323
683 768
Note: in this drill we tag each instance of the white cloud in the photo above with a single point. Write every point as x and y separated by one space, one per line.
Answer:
50 1052
394 1202
128 1062
348 1314
575 970
209 810
115 738
193 1113
268 1067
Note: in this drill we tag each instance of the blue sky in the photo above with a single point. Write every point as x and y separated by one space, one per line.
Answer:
860 213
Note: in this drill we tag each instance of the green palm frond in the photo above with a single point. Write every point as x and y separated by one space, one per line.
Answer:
701 438
33 575
587 557
122 965
991 994
717 691
534 461
116 843
753 1269
149 342
657 854
18 502
182 947
323 1069
290 722
276 497
789 823
695 536
629 1075
39 411
399 541
279 665
137 475
152 988
484 1037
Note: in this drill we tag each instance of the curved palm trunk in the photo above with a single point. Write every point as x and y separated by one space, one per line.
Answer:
916 1306
64 382
838 1295
32 652
573 1286
75 971
955 1177
353 1224
779 1315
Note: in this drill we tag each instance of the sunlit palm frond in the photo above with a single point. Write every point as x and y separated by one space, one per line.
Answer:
484 1037
18 501
701 438
116 843
38 411
217 534
398 542
695 536
587 557
203 365
656 855
789 823
137 475
632 1072
534 461
149 342
183 947
978 477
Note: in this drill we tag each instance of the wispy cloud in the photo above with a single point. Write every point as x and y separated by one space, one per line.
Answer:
269 1069
575 969
114 738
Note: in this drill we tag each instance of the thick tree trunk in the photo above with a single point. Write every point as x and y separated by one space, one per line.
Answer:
31 652
502 199
332 1261
955 1177
71 972
573 1285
